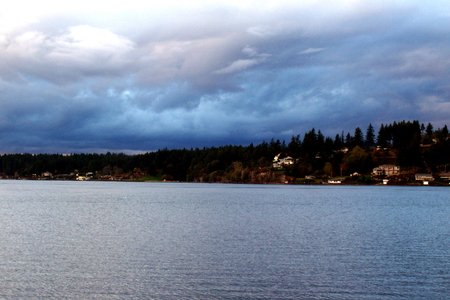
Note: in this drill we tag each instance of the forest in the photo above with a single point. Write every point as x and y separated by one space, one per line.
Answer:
413 146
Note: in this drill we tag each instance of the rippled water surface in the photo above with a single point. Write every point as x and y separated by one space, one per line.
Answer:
118 240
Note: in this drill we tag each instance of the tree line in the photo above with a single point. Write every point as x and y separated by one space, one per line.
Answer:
411 145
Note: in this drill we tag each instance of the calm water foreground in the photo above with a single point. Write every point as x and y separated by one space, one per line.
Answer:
118 240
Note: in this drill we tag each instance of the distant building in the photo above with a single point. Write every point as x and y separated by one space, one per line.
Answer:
343 150
424 176
281 162
387 170
334 181
445 176
47 175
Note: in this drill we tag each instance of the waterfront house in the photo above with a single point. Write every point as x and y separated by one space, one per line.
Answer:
281 162
387 170
334 181
445 176
424 176
46 175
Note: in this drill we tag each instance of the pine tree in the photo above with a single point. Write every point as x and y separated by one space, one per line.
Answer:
338 143
445 131
370 136
320 139
383 137
358 139
294 146
429 129
348 140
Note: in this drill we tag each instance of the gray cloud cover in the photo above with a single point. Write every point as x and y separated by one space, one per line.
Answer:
137 78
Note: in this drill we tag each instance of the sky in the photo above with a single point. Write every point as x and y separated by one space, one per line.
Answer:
123 76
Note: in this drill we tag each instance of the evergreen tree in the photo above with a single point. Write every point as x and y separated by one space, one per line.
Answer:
429 130
358 139
309 144
445 131
348 140
238 162
294 146
384 135
370 136
320 143
338 143
274 147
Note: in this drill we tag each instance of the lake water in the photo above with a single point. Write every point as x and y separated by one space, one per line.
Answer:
123 240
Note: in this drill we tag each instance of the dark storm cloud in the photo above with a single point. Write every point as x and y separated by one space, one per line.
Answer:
134 78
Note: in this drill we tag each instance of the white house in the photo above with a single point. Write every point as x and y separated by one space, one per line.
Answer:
424 176
280 162
334 181
47 175
387 170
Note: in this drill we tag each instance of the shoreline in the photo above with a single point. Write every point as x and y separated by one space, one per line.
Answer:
410 184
